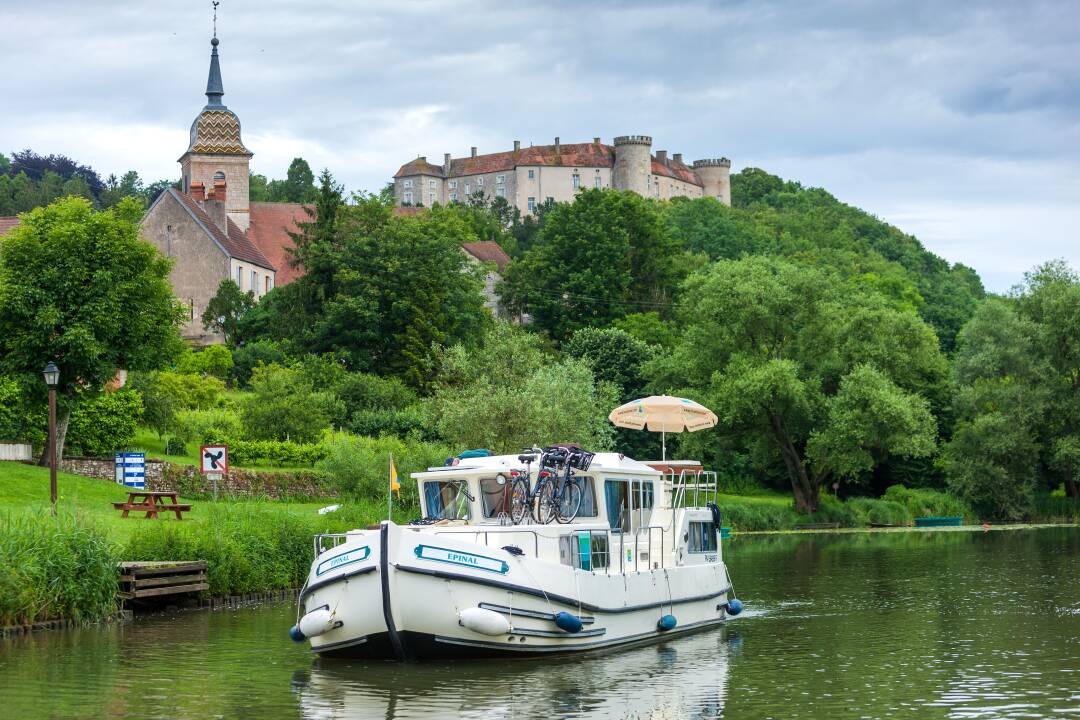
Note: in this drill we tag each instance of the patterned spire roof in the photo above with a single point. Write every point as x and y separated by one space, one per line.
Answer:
216 131
214 88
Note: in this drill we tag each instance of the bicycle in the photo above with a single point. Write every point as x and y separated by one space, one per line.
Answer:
558 494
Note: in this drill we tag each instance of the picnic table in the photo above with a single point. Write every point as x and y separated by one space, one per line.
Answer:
152 503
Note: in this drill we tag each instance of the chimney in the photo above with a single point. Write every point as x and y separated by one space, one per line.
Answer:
558 149
218 192
422 158
596 140
517 145
661 157
474 151
446 164
198 191
677 157
215 208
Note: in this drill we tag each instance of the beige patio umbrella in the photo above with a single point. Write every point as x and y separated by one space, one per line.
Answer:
663 414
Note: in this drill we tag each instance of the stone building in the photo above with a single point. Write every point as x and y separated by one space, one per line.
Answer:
527 177
209 226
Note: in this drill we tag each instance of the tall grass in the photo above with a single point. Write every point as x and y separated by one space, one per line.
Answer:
55 567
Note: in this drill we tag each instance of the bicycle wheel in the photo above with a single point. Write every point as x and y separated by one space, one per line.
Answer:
545 502
567 508
519 501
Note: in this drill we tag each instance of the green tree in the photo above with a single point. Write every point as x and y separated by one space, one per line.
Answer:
214 360
614 356
226 309
298 185
507 395
106 423
83 289
284 406
598 259
786 356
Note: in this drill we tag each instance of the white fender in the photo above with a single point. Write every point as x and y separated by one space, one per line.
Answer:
486 622
316 622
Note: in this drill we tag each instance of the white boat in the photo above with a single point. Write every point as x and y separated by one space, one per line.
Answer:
640 561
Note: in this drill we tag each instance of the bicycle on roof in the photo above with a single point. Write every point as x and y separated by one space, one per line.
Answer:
558 493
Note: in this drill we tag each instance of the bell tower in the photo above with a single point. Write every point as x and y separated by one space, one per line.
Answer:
216 157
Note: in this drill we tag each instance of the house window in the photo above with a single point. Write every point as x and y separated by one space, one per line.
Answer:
577 181
453 184
500 179
532 204
702 538
407 183
532 174
596 182
254 286
431 184
479 182
453 197
500 191
467 188
268 285
240 276
408 197
549 199
431 198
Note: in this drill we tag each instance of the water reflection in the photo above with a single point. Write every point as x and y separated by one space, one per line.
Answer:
681 678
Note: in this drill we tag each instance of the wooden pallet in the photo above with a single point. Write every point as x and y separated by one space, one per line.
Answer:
154 579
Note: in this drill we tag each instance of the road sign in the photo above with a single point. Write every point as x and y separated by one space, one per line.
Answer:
214 458
131 470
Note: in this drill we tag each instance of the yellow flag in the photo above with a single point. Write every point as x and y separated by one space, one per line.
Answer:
394 484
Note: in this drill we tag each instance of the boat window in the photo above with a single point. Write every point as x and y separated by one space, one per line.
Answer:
702 538
447 499
588 496
495 493
629 503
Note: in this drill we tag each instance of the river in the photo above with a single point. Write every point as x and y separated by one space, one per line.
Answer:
933 624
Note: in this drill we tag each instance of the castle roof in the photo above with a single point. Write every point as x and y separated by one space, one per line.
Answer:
419 166
676 170
269 230
233 241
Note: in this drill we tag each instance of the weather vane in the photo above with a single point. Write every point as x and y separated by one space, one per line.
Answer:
215 3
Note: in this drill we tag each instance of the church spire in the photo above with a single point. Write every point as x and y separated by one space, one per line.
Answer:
214 88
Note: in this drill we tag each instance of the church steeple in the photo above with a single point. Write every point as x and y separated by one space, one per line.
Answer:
214 88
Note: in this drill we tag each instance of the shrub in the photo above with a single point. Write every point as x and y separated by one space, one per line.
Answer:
412 420
208 426
175 446
106 423
214 360
252 355
274 452
18 420
880 512
55 567
283 406
757 516
360 466
166 393
928 503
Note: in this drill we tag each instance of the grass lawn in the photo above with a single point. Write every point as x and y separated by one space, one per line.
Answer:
26 487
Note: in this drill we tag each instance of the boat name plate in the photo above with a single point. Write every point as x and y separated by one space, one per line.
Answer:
457 557
346 558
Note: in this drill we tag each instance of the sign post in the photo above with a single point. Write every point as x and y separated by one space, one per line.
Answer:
214 463
131 470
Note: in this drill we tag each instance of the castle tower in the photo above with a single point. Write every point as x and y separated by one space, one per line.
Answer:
216 152
633 164
715 175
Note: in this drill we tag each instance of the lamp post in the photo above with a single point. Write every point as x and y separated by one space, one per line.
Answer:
52 377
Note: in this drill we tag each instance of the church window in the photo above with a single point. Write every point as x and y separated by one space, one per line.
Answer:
467 188
269 285
431 198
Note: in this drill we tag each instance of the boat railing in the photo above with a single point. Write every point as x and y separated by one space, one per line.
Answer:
692 487
328 541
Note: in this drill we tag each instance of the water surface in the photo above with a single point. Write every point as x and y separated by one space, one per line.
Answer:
934 624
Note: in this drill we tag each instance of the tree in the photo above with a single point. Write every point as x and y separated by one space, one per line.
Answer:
284 406
614 356
598 259
83 289
298 185
787 357
507 395
213 360
226 309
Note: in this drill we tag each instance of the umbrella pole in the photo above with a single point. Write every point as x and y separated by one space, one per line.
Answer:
663 446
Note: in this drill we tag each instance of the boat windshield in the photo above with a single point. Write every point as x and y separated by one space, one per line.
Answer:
447 499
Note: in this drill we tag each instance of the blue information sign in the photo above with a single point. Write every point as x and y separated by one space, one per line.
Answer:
131 470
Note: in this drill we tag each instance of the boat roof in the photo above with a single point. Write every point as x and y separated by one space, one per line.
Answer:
604 462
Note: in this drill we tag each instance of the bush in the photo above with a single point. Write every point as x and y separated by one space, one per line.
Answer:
213 360
360 466
274 452
928 503
166 393
879 512
412 420
18 420
252 355
208 426
758 516
175 446
53 568
106 423
283 406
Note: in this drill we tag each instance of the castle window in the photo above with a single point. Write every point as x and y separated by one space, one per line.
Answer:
532 174
431 184
453 197
453 184
407 199
406 183
500 179
577 181
532 202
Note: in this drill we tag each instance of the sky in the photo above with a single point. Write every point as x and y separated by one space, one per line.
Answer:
958 122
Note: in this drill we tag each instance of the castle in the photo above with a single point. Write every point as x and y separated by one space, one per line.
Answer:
527 177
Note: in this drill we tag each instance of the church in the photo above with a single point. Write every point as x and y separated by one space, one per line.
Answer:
209 226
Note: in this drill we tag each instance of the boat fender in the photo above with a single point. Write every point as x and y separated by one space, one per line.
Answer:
567 622
485 622
734 606
296 635
717 517
316 622
668 622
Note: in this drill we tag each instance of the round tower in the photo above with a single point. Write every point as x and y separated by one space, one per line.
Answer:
715 175
633 164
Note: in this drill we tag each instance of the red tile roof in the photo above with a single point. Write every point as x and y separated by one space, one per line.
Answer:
409 210
269 231
236 244
488 251
7 222
676 170
419 166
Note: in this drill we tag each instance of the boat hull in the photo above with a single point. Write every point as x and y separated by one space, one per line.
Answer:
399 594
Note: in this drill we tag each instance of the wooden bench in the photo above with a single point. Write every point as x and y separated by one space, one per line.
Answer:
148 502
154 579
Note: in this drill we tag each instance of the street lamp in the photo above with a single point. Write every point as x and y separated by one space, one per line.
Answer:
52 377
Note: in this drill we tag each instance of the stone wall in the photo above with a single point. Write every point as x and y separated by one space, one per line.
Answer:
105 468
189 482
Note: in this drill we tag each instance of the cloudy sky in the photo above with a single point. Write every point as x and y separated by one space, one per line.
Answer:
958 122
